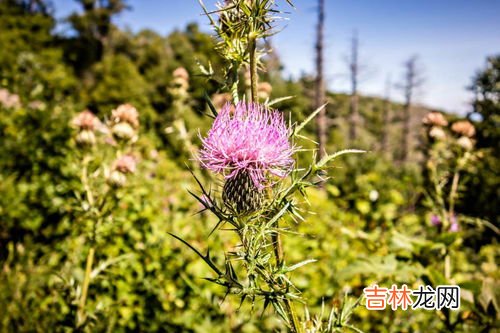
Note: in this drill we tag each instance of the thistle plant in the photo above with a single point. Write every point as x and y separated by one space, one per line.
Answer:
178 90
239 25
253 150
450 152
106 161
247 142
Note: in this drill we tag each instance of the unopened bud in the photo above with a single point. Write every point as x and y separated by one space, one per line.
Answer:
264 90
465 143
125 164
123 131
434 119
464 128
437 133
86 138
116 179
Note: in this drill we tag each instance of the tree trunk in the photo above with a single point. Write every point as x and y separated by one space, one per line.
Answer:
386 116
354 105
412 81
321 121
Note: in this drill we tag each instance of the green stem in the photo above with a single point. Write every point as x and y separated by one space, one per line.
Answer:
289 306
447 266
253 68
80 316
453 193
234 87
85 287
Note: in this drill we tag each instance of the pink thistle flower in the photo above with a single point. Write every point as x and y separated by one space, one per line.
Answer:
182 73
435 119
248 138
125 164
86 120
464 128
435 220
126 113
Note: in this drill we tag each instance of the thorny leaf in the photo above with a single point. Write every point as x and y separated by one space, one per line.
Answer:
205 258
301 126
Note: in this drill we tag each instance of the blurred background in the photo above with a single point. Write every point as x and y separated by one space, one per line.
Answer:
385 66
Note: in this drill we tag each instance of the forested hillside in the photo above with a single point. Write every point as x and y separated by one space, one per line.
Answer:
100 131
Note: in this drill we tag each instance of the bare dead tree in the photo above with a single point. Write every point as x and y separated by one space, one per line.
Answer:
354 74
386 116
411 81
320 93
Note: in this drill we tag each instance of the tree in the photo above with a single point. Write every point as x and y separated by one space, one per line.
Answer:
481 197
486 106
30 62
93 27
412 79
320 97
354 101
386 116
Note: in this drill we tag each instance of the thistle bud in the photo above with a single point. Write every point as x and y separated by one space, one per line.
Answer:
86 120
437 133
180 83
435 220
464 128
434 119
122 166
182 73
86 138
123 131
241 195
465 143
125 164
116 179
264 90
125 113
9 100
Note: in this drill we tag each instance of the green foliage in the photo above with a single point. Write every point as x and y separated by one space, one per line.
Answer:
116 81
372 223
483 184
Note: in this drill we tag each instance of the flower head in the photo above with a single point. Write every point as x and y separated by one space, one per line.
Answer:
86 120
123 131
85 138
264 90
437 133
465 142
434 119
219 100
181 72
464 128
126 113
9 100
125 164
435 220
250 138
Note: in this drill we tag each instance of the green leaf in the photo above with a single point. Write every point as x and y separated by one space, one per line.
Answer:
300 264
108 263
210 105
326 159
205 258
279 100
301 126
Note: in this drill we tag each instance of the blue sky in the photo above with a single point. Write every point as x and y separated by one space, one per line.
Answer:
451 38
